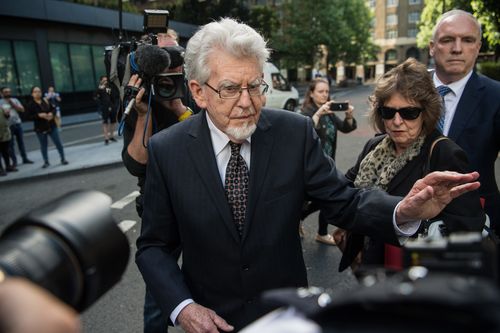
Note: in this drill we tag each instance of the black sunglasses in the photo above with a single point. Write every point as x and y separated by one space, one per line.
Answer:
408 113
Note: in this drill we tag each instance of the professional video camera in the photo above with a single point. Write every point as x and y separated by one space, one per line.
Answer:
146 58
71 246
448 285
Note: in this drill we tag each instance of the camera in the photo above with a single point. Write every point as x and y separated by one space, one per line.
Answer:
339 106
71 246
145 58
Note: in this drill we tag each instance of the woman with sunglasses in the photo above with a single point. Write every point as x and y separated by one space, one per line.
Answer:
326 123
405 109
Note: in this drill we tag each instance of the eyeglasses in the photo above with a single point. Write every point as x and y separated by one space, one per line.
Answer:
408 113
231 92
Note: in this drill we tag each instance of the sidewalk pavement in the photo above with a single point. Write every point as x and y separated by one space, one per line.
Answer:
80 157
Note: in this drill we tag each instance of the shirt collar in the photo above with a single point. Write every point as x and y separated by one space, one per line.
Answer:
219 138
456 87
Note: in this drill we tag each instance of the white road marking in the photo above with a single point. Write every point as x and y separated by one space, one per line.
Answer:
126 225
125 200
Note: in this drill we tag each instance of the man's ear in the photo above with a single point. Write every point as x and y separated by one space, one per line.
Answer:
431 48
198 94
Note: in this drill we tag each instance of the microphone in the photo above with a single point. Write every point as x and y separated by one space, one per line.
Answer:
150 61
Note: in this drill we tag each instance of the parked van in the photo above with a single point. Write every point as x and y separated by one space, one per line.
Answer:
281 94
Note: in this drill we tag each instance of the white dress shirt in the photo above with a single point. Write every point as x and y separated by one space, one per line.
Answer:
451 99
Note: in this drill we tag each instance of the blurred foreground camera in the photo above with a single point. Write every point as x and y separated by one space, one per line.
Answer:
71 246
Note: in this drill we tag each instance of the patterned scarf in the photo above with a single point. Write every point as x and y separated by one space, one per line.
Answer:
380 165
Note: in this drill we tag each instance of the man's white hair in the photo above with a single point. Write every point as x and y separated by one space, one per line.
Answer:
227 35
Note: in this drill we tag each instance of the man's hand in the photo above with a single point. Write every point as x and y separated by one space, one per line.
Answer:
431 194
195 318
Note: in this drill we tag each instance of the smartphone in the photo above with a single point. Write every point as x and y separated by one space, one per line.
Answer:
339 106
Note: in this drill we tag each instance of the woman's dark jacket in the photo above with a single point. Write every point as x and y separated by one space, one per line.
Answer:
464 213
41 125
340 125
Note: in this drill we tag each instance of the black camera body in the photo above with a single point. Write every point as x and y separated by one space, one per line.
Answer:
463 253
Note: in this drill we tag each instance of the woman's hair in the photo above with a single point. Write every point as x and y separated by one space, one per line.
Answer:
226 35
308 101
412 80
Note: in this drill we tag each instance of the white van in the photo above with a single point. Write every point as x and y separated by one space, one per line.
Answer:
281 94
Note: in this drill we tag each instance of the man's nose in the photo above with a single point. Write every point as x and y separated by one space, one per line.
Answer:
244 101
457 46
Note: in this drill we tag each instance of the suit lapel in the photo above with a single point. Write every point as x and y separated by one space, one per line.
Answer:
202 154
466 107
262 144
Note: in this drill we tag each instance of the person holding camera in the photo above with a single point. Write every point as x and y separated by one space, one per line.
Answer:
139 126
317 105
226 187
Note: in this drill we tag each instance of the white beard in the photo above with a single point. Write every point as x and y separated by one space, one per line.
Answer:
243 132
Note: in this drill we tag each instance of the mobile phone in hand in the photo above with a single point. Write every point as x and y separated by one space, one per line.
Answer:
339 106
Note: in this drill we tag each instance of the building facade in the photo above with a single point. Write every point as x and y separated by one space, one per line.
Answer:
395 27
49 42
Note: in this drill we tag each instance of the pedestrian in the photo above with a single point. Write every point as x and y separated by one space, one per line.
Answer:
405 109
471 103
225 187
43 114
55 100
5 142
13 106
326 123
108 103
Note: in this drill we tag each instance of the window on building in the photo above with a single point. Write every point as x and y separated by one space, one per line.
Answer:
413 17
19 68
391 34
81 63
98 56
8 75
392 3
61 69
391 19
412 32
391 55
414 2
27 66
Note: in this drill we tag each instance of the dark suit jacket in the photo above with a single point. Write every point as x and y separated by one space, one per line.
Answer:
461 214
185 207
476 128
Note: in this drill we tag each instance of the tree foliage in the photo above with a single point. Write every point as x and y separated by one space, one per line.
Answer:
488 14
342 26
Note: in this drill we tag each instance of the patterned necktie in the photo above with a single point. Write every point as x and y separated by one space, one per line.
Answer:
236 186
443 90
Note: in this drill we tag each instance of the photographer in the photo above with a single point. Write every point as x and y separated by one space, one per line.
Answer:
138 128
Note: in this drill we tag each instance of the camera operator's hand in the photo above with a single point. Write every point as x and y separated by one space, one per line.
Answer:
27 308
140 106
195 318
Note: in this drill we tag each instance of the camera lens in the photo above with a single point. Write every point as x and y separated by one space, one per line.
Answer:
165 86
72 247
